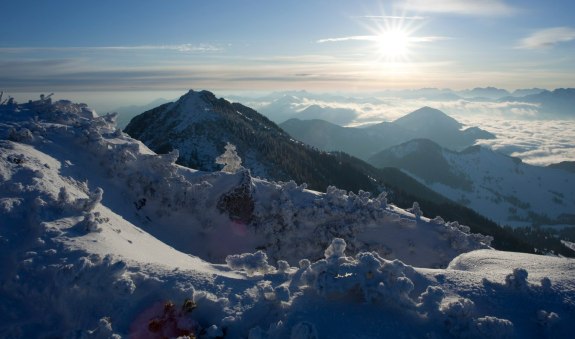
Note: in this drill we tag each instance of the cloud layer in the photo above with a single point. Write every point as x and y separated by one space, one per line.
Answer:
534 141
537 142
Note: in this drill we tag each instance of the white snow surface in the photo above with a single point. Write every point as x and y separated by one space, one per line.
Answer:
100 237
508 191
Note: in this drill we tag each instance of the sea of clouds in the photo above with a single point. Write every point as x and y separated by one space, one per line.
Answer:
537 142
520 129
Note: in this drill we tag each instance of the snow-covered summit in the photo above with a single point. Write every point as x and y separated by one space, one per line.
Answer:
101 237
199 125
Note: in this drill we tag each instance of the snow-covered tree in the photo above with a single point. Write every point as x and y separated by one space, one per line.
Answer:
230 159
416 210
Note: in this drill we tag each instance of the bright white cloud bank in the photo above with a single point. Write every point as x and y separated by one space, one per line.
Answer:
535 142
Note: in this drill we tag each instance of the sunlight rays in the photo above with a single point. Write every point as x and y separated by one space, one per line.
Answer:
395 37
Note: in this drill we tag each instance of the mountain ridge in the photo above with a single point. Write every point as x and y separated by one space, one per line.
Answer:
199 125
495 185
363 143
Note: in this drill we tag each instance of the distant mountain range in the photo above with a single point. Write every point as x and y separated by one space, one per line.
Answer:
526 91
363 143
349 110
559 103
339 116
477 93
497 186
484 93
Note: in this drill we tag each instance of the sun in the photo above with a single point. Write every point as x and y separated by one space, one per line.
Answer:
393 37
393 44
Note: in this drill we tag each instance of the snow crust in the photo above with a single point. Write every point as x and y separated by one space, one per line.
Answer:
102 238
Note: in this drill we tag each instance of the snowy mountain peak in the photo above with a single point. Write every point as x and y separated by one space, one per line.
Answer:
200 125
195 102
202 95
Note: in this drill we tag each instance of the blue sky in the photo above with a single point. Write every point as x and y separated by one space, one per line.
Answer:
321 45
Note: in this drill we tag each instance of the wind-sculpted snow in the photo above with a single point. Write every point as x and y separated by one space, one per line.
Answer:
294 221
386 286
99 238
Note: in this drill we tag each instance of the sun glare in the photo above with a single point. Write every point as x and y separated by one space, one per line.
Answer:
393 38
393 45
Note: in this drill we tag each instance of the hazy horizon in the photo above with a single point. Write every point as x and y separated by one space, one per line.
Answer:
266 46
107 101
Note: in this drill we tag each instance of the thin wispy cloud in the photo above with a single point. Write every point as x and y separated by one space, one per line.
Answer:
79 75
547 38
193 48
377 38
325 72
350 38
201 48
392 17
466 7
